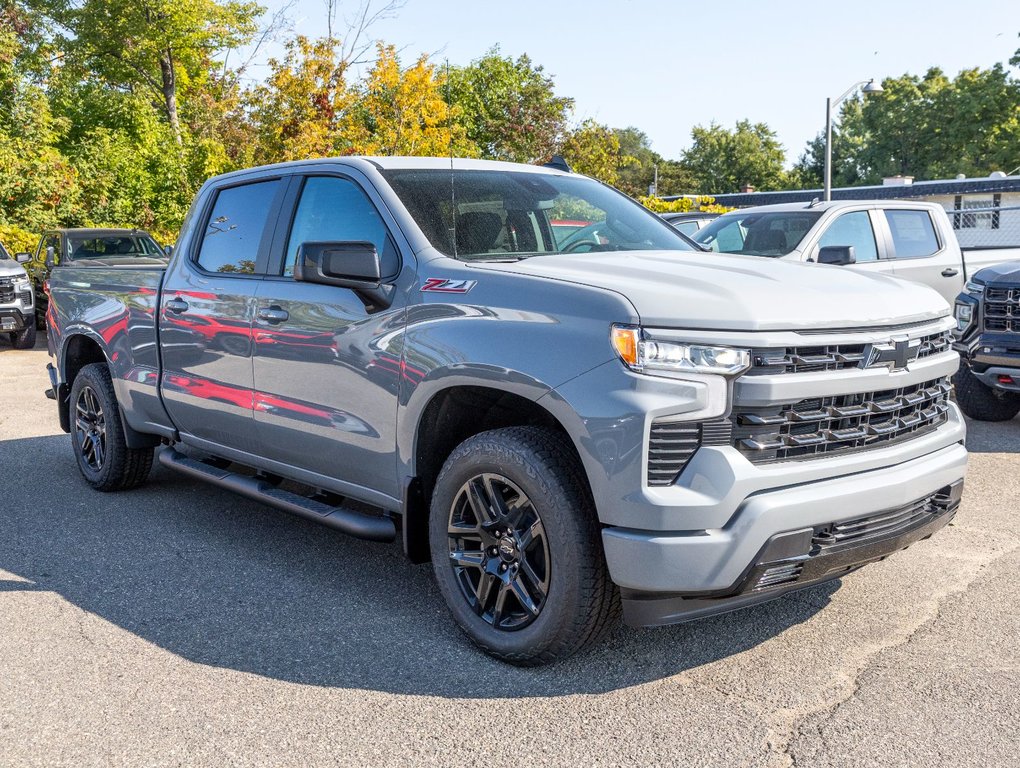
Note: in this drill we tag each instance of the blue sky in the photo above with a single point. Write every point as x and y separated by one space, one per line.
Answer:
666 67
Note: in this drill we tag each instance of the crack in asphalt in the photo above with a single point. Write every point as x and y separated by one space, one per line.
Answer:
799 726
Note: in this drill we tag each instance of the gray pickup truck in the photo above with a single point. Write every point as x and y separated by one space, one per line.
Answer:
398 348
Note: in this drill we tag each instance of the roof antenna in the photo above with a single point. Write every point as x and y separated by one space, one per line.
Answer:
557 162
449 141
813 203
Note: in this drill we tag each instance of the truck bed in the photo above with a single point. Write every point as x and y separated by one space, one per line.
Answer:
115 304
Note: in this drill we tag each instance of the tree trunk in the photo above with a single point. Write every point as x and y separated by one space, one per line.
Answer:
166 68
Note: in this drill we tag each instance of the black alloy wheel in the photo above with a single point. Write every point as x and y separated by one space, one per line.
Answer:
90 426
499 551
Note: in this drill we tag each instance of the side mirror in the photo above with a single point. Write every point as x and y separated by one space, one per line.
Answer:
23 258
50 257
353 265
168 250
837 254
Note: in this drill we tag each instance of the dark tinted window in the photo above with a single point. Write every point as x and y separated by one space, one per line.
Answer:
337 210
913 233
754 233
3 252
234 230
852 229
105 247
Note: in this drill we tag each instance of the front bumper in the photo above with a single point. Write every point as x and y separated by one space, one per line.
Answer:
670 577
14 320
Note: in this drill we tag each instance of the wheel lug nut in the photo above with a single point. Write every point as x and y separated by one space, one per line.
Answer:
502 567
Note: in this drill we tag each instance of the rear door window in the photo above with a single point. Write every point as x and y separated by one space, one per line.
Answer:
853 229
913 233
233 233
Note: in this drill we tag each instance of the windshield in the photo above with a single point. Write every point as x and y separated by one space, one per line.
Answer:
757 234
506 216
92 247
3 253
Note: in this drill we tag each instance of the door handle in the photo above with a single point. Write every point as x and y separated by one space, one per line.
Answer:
950 272
273 315
177 306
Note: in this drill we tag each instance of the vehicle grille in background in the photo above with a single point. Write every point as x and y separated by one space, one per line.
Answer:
6 289
1002 310
832 357
843 423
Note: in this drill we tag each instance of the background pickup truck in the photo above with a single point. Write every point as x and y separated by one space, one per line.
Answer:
17 317
63 246
911 240
988 340
399 348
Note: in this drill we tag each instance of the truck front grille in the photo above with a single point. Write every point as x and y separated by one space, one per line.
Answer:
888 523
1002 310
671 444
6 290
844 423
832 357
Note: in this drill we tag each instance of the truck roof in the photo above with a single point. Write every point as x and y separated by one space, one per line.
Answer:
839 205
401 163
98 231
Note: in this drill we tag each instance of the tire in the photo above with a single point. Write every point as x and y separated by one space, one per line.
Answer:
25 338
981 402
555 566
97 434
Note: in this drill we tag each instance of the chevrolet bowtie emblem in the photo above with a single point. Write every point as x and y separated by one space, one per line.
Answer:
897 354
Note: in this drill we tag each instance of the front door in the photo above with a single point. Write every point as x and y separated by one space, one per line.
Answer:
327 371
206 316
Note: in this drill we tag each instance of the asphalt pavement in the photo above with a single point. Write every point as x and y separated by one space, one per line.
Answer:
181 625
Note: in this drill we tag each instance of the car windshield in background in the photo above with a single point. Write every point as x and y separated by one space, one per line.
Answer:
504 216
92 247
757 234
3 253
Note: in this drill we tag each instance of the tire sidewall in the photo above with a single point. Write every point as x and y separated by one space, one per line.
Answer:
551 496
90 376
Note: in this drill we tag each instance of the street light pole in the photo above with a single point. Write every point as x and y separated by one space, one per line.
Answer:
870 86
828 150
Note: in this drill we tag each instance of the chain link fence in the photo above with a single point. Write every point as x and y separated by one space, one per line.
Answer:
997 227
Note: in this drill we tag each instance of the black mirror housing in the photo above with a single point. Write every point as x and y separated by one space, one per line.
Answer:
837 254
23 258
353 265
51 258
168 250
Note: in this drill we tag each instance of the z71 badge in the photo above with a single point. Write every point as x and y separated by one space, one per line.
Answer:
445 285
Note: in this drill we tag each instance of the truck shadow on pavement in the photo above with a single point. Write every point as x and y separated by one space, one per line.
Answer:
993 436
222 581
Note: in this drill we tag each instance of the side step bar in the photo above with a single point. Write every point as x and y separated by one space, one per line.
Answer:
343 519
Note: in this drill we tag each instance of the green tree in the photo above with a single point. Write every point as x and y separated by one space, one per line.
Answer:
594 150
159 47
509 108
928 127
723 160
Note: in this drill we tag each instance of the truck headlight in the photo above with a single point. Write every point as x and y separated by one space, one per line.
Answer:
973 286
20 280
646 354
964 314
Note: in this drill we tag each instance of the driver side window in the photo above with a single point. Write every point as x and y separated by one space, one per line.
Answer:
853 229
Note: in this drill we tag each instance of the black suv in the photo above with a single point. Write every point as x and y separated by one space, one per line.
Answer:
988 340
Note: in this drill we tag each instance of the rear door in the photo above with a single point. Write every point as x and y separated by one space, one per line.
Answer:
919 254
327 370
206 315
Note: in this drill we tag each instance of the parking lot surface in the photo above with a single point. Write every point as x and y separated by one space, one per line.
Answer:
181 625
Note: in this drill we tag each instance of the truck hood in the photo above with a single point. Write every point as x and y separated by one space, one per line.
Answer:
10 268
675 289
1000 273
